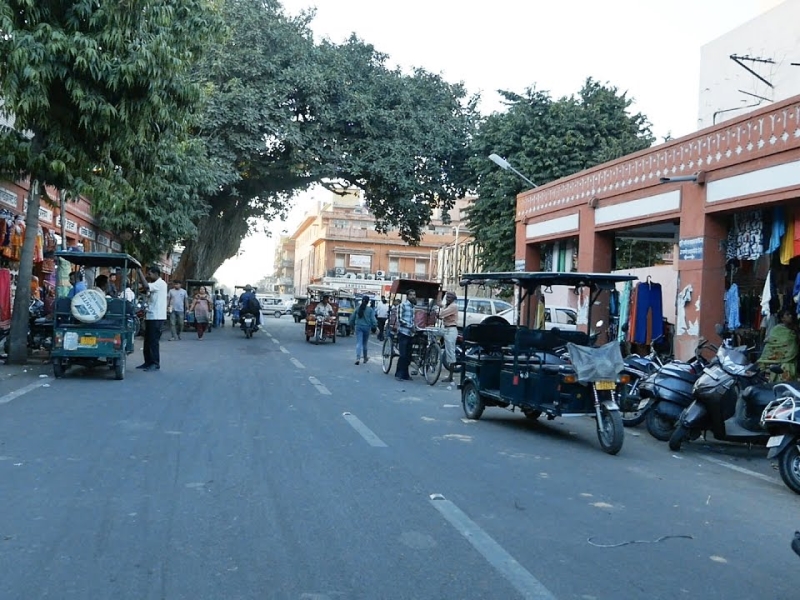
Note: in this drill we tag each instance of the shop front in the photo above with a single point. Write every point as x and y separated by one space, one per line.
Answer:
731 192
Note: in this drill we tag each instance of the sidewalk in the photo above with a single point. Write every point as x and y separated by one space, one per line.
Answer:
13 377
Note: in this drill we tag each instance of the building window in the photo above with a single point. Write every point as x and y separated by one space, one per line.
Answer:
394 265
340 258
421 267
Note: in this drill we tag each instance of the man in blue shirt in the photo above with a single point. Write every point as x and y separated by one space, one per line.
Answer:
249 303
78 284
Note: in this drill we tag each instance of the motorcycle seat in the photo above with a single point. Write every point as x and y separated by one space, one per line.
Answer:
763 393
682 372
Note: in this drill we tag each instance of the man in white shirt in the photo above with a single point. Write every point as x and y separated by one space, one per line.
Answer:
381 314
154 318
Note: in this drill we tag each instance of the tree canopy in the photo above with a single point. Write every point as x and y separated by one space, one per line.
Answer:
98 93
544 139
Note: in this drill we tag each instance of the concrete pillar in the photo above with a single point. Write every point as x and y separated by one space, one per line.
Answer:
595 255
701 280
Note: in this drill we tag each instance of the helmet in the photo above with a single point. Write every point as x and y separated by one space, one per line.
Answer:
248 288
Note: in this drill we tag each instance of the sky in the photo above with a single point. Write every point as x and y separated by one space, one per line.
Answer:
651 50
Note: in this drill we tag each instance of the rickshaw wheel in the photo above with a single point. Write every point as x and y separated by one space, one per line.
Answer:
119 368
472 401
432 363
610 430
532 413
58 368
387 355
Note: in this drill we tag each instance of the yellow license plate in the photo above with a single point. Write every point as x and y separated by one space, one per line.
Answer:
88 341
605 385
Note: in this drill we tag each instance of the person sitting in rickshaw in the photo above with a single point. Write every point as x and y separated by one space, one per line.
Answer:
324 308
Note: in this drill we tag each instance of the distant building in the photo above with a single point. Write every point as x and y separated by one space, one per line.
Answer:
283 267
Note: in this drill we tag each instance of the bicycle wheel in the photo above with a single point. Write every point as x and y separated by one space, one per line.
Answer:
432 363
387 354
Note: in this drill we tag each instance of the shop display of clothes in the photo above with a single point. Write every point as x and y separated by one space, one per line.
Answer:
746 237
778 229
5 298
732 308
624 309
646 320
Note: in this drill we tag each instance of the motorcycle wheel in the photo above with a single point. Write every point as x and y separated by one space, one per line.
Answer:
119 368
58 368
472 401
677 437
432 364
532 413
789 467
387 355
659 427
629 408
610 430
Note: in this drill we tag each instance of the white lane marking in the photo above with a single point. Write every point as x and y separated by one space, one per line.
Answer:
20 392
297 363
372 439
738 469
276 340
284 350
526 584
320 387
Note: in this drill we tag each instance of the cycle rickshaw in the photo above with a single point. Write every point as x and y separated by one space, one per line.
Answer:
321 330
427 341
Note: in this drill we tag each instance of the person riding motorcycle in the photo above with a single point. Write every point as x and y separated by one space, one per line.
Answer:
248 303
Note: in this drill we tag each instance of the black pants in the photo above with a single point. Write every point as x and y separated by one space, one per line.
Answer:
381 326
152 336
404 360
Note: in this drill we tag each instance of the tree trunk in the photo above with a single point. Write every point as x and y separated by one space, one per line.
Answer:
18 351
219 236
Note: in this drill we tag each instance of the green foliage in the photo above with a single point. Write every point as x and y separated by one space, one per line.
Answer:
544 139
635 254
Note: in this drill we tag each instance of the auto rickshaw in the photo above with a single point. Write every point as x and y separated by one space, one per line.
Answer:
92 328
192 287
347 306
544 372
321 330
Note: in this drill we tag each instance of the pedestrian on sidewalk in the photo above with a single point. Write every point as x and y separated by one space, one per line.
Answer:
202 307
449 317
178 301
364 322
381 314
154 318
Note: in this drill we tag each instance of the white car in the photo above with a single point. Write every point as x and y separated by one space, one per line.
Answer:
480 308
566 318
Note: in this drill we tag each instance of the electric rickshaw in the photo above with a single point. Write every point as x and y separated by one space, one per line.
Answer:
544 372
428 339
321 330
92 328
347 305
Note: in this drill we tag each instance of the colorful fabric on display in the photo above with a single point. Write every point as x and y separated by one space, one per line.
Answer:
5 297
632 317
750 235
787 245
766 295
778 229
624 310
732 307
648 312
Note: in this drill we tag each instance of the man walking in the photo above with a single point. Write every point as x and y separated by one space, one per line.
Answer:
381 314
219 311
405 331
154 318
178 301
449 316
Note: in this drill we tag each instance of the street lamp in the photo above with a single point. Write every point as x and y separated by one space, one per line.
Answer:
505 165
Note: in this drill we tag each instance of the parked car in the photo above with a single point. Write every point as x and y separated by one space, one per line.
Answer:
273 306
563 317
480 308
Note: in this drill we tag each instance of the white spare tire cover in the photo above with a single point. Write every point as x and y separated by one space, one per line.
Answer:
89 306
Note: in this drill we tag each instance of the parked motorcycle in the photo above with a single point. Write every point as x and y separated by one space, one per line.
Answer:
730 397
248 324
637 368
781 419
669 391
40 329
796 543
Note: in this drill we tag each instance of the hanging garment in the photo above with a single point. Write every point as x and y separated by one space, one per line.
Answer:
750 235
624 310
732 307
766 295
778 229
5 297
632 317
787 245
796 244
796 293
730 243
649 313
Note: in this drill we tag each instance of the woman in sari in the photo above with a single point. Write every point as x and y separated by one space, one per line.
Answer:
203 308
781 348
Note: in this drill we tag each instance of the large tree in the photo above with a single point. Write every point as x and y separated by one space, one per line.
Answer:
284 113
93 89
544 139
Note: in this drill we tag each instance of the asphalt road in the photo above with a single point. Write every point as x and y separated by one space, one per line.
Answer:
275 469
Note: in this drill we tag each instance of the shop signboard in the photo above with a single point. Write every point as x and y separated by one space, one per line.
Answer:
71 226
101 239
360 260
45 214
690 249
87 233
8 198
116 247
519 265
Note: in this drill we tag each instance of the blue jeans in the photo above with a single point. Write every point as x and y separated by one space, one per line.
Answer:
362 339
218 318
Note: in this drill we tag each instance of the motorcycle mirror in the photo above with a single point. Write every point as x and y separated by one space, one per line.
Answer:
624 327
719 329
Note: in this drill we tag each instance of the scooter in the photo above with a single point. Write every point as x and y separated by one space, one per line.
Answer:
781 419
669 391
637 368
248 324
40 329
730 397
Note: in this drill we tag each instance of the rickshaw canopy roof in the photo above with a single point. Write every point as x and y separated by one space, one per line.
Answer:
424 289
531 280
324 290
99 259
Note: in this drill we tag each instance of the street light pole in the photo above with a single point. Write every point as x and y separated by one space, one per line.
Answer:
505 165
